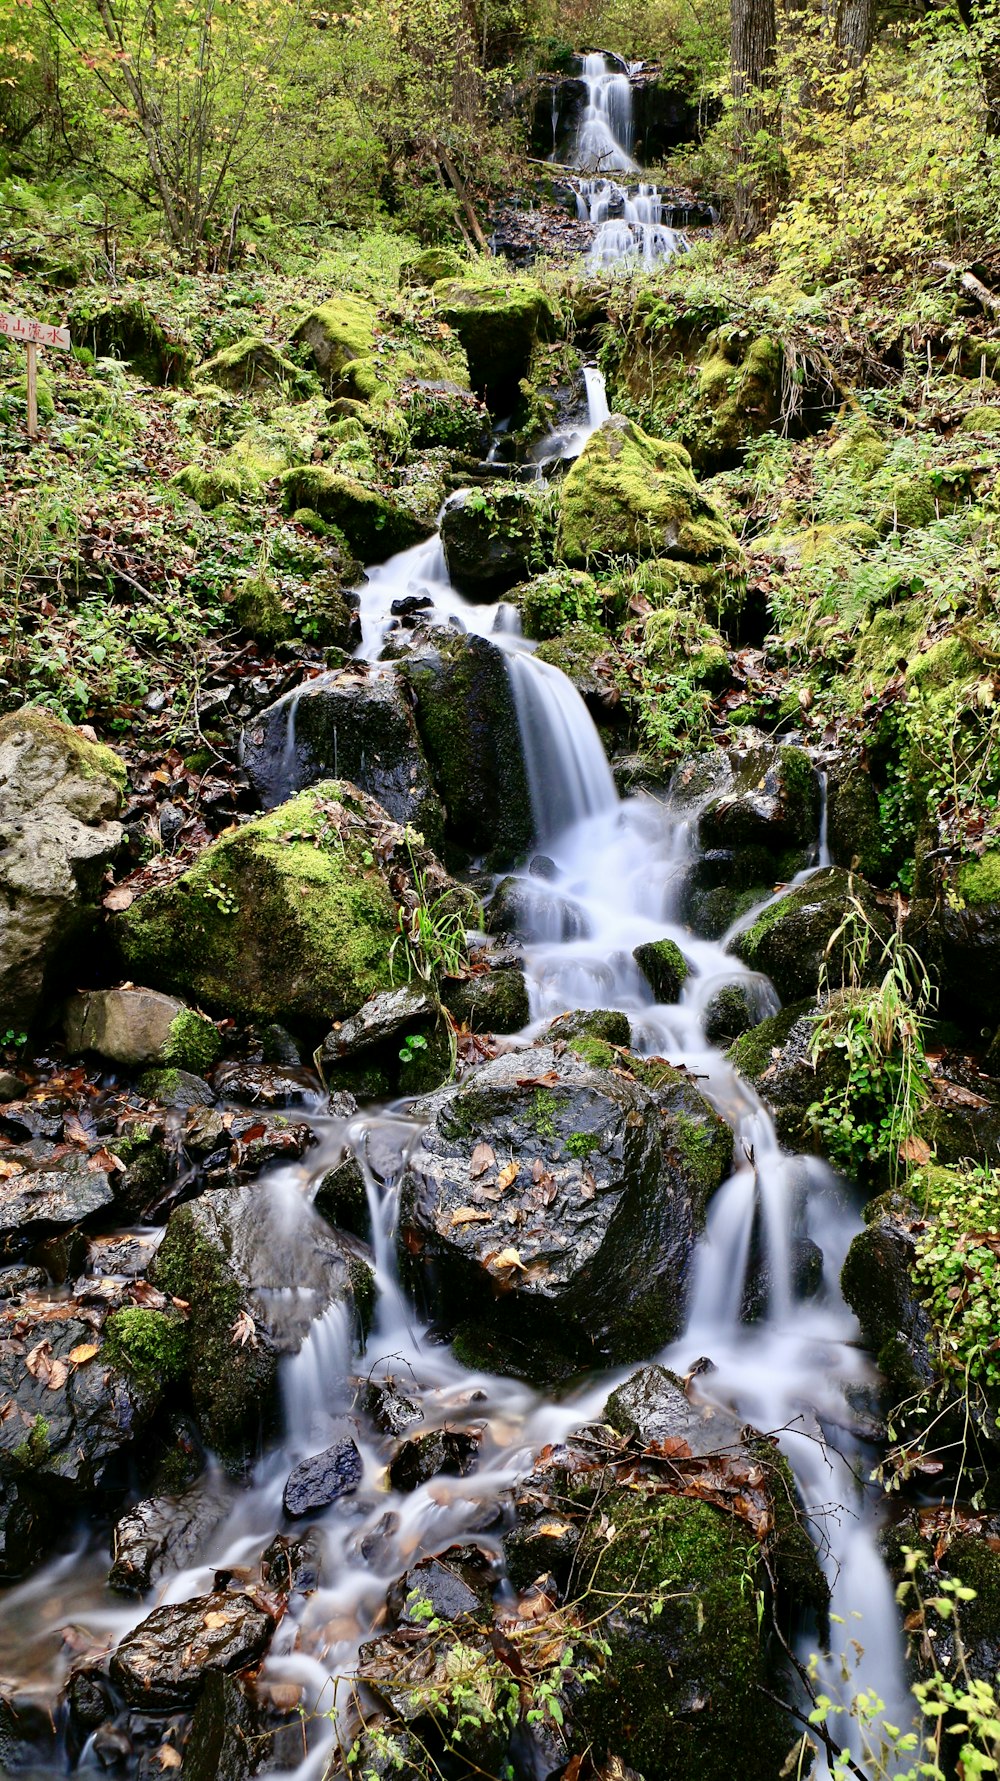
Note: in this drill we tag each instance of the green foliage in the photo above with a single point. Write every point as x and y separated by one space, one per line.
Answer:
871 1112
412 1044
431 930
958 1267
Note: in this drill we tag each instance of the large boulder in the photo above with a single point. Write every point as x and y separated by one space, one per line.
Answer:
489 537
554 1203
467 719
312 876
629 495
498 325
165 1661
256 1269
56 1195
375 525
957 931
797 938
232 1256
59 796
354 724
135 1026
337 333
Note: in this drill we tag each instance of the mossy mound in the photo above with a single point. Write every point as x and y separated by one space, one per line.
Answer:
581 653
674 641
497 324
252 363
337 333
82 758
789 941
983 420
432 265
739 394
131 331
440 412
373 523
304 877
557 599
664 967
712 593
629 495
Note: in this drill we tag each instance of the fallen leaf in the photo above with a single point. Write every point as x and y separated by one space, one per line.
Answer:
216 1620
508 1258
58 1375
8 1170
244 1330
39 1361
119 897
168 1757
914 1150
82 1353
588 1188
483 1158
469 1215
508 1174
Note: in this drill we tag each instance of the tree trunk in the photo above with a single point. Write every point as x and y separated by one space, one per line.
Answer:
754 33
989 61
855 30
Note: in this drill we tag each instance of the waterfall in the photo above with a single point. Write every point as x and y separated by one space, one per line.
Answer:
568 774
628 221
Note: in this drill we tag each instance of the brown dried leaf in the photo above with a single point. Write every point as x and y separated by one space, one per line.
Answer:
508 1174
39 1361
118 898
215 1620
483 1158
469 1215
83 1352
914 1150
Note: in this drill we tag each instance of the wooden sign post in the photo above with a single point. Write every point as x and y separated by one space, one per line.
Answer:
33 335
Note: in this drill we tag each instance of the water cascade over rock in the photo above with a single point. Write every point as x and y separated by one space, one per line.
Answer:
628 218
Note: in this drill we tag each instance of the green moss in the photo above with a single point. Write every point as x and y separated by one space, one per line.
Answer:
595 1052
981 420
250 364
751 1053
88 760
327 913
374 525
576 652
338 332
259 612
979 880
555 600
858 455
33 1451
311 521
582 1144
152 1345
193 1042
432 265
664 967
629 495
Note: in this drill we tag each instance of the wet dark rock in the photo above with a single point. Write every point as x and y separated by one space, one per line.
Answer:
354 724
789 940
16 1281
664 967
33 1119
176 1088
221 1745
777 1057
494 1001
543 1547
166 1660
206 1132
957 933
585 1248
279 1047
232 1255
605 1026
389 1408
653 1405
761 794
878 1283
25 1527
387 1752
316 1482
67 1433
533 911
452 1589
449 1451
489 540
342 1198
52 1199
59 796
27 1733
266 1085
11 1087
957 1550
806 1278
88 1699
127 1256
729 1013
158 1537
854 824
498 325
256 1140
294 1562
381 1018
468 724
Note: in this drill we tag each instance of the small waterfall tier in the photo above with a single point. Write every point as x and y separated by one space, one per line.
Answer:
627 216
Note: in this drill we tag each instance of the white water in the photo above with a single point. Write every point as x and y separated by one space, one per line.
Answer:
617 867
628 218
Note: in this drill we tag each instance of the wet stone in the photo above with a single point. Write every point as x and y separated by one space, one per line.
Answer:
176 1088
221 1744
165 1661
51 1199
653 1405
444 1587
127 1256
16 1281
294 1563
317 1482
390 1410
448 1452
11 1087
342 1198
158 1537
381 1018
265 1085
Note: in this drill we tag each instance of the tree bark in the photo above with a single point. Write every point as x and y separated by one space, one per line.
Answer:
753 40
855 30
989 65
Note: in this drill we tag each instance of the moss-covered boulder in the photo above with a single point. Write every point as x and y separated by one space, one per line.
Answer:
337 333
583 655
558 599
491 1001
664 967
676 640
255 1273
130 330
467 721
878 1283
497 324
429 267
738 394
251 364
59 797
307 877
135 1026
439 412
629 495
375 525
793 940
759 795
609 1175
489 537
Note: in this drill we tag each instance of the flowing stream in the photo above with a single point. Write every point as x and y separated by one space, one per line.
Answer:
627 214
615 871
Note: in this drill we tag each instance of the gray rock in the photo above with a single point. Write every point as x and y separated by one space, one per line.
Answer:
355 723
165 1661
266 1085
653 1406
51 1199
11 1087
584 1251
59 795
317 1482
390 1410
176 1088
756 793
127 1026
342 1198
381 1018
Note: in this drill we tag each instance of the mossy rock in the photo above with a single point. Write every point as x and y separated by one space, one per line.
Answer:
675 642
337 333
489 1002
490 537
250 364
877 1281
305 876
557 599
497 324
664 967
680 1690
982 420
789 940
131 331
441 413
241 473
432 265
374 525
917 501
738 394
578 653
83 759
857 455
258 610
694 593
854 825
629 495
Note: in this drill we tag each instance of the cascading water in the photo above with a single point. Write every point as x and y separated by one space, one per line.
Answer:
618 867
628 219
